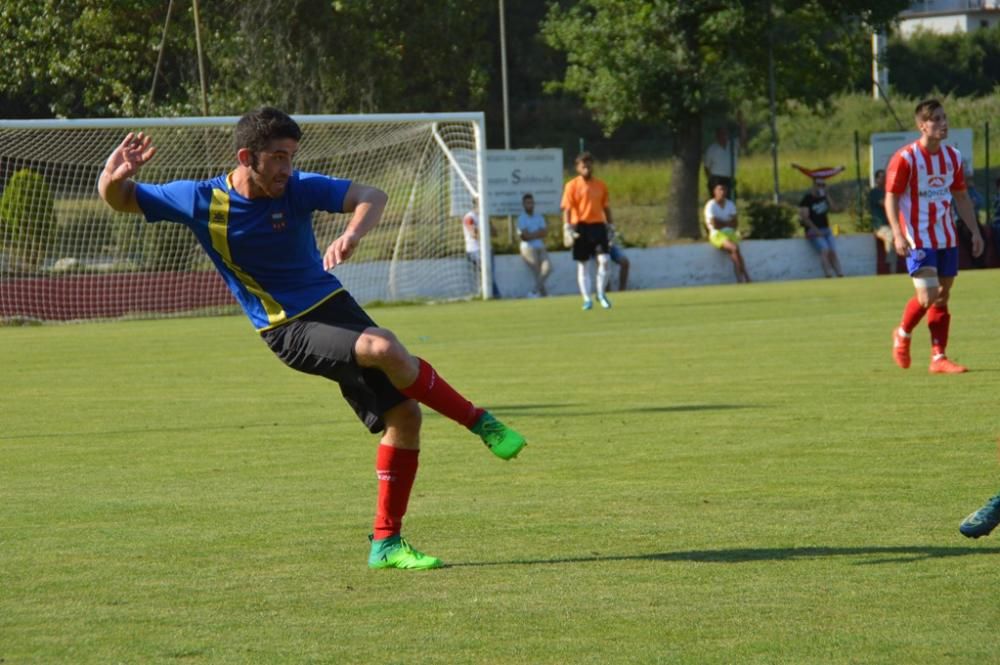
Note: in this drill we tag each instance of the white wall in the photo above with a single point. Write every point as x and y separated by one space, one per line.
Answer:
654 268
698 263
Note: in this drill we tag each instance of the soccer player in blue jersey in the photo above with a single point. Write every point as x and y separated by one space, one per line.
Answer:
255 223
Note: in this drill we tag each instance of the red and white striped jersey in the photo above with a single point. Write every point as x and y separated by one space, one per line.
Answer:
924 181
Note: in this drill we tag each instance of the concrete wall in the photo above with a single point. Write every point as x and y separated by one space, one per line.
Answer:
698 263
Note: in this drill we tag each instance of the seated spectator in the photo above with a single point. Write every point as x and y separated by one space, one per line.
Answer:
813 215
721 221
532 230
880 225
617 255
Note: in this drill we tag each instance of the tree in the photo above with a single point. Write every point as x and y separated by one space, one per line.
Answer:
86 58
678 62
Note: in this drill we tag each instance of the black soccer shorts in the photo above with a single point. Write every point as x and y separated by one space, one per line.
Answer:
322 341
592 239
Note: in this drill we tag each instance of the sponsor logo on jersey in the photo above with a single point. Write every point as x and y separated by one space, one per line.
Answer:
936 181
278 222
938 193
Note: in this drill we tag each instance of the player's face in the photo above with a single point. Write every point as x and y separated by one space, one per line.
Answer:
585 168
274 167
935 127
529 206
719 192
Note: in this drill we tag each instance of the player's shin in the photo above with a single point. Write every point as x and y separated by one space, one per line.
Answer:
431 390
938 321
602 274
583 279
396 469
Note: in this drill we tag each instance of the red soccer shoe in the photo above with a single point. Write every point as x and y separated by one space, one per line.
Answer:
901 349
944 366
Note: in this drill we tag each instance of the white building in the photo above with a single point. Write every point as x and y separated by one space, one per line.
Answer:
949 16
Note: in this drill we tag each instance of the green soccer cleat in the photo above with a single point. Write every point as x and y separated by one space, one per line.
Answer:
502 441
984 520
395 552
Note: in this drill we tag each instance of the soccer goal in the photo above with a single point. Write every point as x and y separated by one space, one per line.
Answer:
65 256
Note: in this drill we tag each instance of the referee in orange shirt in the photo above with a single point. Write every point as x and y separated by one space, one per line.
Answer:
586 216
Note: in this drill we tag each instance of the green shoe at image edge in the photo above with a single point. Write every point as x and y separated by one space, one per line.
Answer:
983 521
502 441
396 552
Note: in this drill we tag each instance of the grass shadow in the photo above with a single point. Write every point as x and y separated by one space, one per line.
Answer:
556 409
889 554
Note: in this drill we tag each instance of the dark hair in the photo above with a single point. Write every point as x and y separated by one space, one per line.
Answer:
879 172
926 108
526 197
584 157
259 127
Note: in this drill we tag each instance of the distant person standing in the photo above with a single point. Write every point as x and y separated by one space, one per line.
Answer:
721 158
880 223
814 211
922 179
470 229
721 221
532 230
586 215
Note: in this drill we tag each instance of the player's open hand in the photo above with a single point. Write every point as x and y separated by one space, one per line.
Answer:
977 244
129 156
340 250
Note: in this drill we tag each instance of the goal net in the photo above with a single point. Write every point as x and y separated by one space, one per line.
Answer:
64 255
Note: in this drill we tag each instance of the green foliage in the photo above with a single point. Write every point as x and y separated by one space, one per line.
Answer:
677 63
962 64
160 246
81 58
769 221
27 210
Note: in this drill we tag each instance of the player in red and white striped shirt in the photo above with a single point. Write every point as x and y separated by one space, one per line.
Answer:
921 181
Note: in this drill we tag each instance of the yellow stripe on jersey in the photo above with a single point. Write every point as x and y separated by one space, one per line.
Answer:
218 229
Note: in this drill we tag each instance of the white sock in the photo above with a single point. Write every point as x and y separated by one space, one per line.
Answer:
583 279
602 273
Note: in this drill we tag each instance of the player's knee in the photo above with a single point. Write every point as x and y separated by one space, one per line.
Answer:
378 347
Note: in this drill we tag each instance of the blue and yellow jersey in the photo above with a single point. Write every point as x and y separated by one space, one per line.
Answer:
264 248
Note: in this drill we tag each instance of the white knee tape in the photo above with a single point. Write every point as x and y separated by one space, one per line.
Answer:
926 282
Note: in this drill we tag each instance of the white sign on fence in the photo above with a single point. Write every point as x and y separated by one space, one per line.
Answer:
885 144
510 174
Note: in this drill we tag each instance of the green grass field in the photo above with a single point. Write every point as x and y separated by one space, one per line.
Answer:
715 475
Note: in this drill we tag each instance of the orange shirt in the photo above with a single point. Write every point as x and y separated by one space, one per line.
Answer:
585 200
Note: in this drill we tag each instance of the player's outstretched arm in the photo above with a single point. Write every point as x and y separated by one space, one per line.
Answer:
367 203
115 184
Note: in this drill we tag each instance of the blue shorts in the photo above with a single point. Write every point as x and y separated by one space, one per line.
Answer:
823 241
616 253
945 260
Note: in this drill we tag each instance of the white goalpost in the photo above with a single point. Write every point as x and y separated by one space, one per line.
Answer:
65 256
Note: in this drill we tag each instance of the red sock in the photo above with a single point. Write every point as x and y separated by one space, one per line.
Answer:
430 389
396 469
912 314
938 320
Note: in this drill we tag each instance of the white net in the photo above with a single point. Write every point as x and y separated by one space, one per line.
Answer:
65 256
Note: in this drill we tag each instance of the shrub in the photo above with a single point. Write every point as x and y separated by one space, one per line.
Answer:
27 211
770 221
